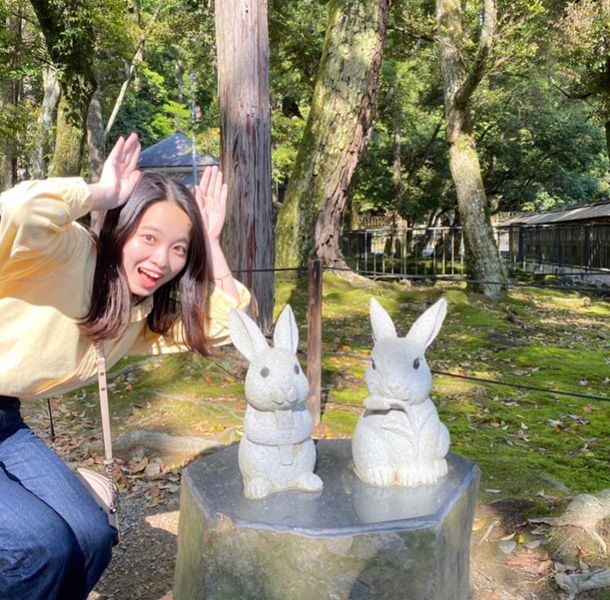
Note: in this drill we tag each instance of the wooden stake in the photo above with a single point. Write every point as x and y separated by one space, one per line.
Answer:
314 339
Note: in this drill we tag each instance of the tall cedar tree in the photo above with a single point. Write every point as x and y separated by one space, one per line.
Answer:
339 121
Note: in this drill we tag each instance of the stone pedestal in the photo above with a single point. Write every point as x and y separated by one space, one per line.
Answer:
350 541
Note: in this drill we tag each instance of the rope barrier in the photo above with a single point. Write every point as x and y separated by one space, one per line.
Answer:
473 281
514 284
489 381
433 278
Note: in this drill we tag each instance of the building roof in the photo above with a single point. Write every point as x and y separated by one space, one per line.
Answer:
586 212
174 153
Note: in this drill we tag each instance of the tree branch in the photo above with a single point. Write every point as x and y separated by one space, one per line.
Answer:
132 67
479 68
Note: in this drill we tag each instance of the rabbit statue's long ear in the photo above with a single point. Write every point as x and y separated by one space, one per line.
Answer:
286 334
246 335
427 326
382 324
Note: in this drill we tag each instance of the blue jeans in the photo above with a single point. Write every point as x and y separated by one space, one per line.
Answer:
55 542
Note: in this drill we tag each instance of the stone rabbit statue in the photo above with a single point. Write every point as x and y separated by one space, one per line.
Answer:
399 439
276 452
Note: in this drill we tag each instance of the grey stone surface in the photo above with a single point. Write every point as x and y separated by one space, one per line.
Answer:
351 541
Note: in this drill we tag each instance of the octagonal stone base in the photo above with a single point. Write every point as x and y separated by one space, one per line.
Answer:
350 541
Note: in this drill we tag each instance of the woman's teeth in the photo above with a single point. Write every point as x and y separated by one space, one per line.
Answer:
150 274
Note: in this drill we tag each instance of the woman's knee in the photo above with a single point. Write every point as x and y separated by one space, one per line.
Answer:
34 564
95 535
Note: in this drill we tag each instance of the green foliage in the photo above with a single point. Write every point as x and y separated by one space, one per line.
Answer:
584 51
538 147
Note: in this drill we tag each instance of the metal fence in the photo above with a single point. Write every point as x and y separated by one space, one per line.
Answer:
572 246
408 251
440 250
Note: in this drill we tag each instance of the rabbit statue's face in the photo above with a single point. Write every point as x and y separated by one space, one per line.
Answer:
398 370
275 381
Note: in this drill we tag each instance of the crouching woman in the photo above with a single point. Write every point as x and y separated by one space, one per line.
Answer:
150 279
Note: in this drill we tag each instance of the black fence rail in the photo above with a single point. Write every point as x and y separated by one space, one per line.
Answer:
406 251
440 250
573 246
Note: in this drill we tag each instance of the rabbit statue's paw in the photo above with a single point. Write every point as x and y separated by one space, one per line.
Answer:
440 467
421 475
310 483
257 489
380 476
377 403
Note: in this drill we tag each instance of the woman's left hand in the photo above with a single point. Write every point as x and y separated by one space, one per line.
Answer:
211 195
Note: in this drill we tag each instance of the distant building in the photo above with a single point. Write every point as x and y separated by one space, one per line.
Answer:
575 238
174 157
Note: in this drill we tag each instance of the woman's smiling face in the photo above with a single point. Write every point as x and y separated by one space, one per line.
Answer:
158 249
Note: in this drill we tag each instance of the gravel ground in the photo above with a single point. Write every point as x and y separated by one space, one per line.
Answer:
143 563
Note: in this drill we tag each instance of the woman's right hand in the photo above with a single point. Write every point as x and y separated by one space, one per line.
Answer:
119 175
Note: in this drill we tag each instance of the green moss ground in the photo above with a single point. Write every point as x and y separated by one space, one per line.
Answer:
548 339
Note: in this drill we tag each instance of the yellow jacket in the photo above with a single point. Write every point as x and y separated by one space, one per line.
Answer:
47 262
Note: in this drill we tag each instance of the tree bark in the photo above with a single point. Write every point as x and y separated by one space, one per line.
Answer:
43 146
245 125
310 220
485 267
397 172
9 100
96 138
69 37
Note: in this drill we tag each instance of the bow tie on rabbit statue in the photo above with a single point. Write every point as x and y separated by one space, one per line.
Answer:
399 439
276 452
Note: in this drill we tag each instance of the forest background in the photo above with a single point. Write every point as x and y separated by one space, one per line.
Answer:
541 114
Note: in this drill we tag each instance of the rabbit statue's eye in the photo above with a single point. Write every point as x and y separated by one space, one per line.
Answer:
373 364
265 372
296 369
416 364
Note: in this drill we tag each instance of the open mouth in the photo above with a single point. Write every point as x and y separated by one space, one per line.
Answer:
148 279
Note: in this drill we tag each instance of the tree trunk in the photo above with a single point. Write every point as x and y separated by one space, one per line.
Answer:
44 142
76 94
96 138
310 220
484 264
9 100
485 267
245 125
397 172
60 24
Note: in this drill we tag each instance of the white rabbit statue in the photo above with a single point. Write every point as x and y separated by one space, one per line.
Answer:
399 439
276 452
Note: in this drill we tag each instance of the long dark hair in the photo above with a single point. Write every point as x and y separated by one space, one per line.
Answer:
184 296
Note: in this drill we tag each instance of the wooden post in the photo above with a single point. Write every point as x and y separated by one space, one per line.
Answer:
314 339
242 44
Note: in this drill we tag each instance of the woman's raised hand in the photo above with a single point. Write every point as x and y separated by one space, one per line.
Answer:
119 175
211 195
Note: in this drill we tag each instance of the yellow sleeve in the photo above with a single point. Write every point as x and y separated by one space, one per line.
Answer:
37 225
220 304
